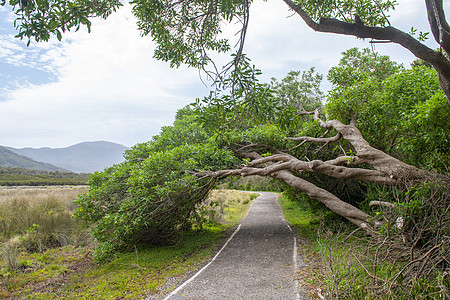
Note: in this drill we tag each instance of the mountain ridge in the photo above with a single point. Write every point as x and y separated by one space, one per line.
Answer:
84 157
10 159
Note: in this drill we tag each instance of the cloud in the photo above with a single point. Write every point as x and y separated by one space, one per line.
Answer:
107 87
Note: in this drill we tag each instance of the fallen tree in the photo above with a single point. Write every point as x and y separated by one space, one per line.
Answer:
385 170
156 192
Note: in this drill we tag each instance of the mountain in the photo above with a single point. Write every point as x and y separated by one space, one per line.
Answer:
10 159
86 157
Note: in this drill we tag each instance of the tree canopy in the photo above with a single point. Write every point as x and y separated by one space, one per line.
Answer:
187 31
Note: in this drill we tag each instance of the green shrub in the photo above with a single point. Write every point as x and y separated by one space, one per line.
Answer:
149 200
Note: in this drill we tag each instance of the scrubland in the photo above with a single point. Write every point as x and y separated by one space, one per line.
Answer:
47 254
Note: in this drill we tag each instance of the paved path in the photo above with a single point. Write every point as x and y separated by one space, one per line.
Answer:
258 262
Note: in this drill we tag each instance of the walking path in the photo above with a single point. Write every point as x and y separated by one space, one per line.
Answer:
257 262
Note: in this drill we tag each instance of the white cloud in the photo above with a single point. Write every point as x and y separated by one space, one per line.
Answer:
108 87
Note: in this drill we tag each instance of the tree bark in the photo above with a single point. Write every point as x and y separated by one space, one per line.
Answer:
438 23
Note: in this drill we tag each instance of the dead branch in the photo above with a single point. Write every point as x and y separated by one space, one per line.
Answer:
394 278
381 203
316 140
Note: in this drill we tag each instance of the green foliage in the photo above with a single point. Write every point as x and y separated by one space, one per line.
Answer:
355 80
43 18
239 101
403 113
242 103
185 30
155 194
359 65
372 13
299 90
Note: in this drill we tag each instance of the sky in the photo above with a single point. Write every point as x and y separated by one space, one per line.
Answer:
105 85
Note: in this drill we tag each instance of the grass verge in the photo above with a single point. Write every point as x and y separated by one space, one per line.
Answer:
68 272
311 276
344 263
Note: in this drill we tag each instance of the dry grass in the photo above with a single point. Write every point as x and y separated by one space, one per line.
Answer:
39 216
229 206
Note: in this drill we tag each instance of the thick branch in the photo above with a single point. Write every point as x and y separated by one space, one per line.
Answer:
354 215
316 140
438 23
382 162
351 213
267 165
360 30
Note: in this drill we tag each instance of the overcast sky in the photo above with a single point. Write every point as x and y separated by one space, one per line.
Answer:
105 85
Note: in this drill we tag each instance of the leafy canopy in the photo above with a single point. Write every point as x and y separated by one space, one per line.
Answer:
400 111
43 18
186 31
372 13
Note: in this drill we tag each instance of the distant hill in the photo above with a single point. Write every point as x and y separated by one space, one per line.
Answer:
10 159
86 157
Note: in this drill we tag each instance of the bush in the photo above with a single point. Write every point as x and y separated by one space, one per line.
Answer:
408 260
150 198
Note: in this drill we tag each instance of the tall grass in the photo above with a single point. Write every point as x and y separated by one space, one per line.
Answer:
228 206
41 218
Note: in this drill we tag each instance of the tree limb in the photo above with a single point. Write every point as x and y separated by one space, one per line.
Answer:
316 140
438 23
348 211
